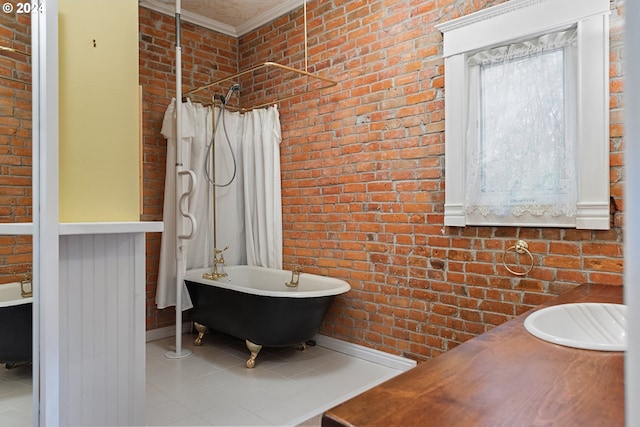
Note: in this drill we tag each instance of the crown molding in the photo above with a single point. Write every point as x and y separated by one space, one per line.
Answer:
260 20
169 9
234 31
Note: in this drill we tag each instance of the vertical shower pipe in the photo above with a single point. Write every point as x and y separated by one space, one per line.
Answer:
179 352
304 16
213 170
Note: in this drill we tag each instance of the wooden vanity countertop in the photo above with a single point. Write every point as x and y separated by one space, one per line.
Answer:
505 377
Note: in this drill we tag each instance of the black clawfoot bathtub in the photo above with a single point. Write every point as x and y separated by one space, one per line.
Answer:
254 304
16 325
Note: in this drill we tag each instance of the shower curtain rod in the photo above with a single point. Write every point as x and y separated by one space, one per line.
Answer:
328 82
13 50
233 77
24 82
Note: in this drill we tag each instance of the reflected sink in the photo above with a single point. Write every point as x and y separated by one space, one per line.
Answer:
590 326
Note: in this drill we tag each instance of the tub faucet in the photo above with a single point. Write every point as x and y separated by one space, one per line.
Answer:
295 277
218 259
26 286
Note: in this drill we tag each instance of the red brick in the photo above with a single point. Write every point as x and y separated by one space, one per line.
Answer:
364 201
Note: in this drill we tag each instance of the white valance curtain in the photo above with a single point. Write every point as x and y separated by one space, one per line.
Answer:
521 137
249 210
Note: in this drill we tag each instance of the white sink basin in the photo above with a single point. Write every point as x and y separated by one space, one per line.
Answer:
590 326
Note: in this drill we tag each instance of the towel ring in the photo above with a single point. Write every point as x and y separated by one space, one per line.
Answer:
521 247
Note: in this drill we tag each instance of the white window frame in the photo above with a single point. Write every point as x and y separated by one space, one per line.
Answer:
519 20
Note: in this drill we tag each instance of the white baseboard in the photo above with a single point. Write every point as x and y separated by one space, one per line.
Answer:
166 332
366 353
356 350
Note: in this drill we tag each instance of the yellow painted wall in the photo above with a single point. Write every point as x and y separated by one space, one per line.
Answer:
99 122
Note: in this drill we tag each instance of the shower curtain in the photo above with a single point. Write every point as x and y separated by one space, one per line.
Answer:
248 210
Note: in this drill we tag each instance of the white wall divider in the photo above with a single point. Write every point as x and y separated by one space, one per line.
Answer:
102 324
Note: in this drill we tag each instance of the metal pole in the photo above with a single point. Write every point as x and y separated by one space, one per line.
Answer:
179 353
213 173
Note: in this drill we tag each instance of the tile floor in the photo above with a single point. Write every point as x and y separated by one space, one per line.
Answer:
15 396
286 388
213 387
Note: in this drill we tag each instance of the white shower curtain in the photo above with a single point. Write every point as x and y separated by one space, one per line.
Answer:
253 235
262 192
166 289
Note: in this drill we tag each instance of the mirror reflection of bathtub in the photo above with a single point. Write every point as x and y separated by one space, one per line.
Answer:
15 325
16 357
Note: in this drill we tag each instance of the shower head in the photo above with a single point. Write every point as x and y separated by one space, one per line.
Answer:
234 88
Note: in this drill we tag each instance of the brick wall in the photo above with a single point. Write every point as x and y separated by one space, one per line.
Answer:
363 174
15 143
363 183
206 56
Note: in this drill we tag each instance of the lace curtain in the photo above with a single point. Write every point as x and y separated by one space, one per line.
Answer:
521 135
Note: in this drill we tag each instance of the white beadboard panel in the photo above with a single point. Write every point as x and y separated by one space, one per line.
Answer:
102 295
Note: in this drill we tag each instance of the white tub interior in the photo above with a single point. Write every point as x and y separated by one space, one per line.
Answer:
271 282
10 295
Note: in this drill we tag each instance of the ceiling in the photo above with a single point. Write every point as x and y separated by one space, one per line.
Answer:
231 17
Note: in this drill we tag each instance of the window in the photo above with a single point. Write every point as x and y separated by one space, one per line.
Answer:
527 115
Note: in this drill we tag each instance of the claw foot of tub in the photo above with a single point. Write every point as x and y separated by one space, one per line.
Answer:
254 349
302 346
201 331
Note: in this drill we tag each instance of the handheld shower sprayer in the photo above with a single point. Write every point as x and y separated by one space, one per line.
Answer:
208 162
234 88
